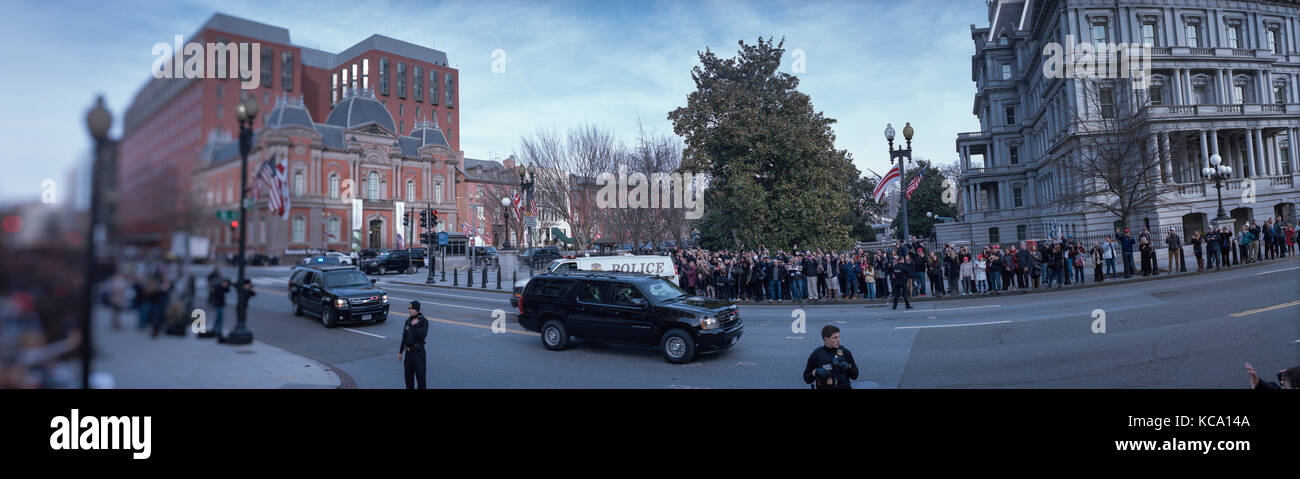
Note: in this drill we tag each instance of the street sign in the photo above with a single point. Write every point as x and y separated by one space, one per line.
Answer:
530 222
442 238
228 214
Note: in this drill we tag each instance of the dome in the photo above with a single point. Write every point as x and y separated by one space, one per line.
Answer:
358 108
428 133
289 111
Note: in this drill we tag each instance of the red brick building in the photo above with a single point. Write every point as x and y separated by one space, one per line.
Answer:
177 127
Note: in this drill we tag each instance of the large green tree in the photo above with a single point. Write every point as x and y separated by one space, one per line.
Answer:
864 210
928 197
775 177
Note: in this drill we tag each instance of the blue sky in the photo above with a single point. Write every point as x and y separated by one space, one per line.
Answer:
611 63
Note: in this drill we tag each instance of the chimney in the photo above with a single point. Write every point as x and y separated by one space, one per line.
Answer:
510 162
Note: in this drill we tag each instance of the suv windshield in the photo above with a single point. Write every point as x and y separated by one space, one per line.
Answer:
663 290
343 279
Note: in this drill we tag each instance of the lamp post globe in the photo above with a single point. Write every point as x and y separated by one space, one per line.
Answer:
505 217
889 131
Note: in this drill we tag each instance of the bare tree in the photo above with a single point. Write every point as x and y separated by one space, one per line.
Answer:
1116 168
586 151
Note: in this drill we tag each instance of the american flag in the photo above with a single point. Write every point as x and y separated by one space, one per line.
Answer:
889 177
273 174
916 183
517 206
464 227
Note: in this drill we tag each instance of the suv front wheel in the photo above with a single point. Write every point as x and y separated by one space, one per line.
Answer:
328 317
296 308
554 335
678 346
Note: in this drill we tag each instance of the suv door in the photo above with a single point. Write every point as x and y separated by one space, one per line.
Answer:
588 304
311 292
624 319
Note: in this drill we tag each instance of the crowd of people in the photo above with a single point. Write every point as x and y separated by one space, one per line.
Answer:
915 268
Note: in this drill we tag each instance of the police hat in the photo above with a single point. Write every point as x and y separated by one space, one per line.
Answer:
415 305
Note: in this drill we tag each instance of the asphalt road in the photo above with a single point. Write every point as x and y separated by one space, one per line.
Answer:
1192 331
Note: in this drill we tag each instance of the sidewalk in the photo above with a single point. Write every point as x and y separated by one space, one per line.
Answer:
135 360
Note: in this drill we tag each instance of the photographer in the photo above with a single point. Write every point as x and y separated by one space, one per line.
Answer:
830 366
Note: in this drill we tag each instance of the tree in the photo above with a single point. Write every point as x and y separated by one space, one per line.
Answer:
928 197
585 152
864 211
775 177
1116 168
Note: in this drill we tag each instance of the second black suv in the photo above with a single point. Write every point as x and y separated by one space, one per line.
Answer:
337 294
392 261
627 308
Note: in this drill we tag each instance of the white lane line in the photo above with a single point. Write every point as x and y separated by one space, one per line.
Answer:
507 310
363 332
950 325
480 298
1278 270
951 309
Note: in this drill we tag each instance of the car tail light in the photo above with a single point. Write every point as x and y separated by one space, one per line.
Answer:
521 304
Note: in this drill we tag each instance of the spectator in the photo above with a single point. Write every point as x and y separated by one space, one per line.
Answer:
1286 379
967 276
1175 251
1126 246
1245 239
981 274
1196 251
1108 254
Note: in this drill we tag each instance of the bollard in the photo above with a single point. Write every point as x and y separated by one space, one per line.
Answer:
455 277
484 286
498 277
469 276
514 279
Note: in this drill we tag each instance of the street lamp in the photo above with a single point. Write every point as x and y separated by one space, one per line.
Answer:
940 219
505 216
1218 172
526 180
98 121
901 154
246 112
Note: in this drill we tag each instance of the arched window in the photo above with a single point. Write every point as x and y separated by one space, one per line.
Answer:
299 184
410 190
299 230
372 186
334 186
333 230
437 190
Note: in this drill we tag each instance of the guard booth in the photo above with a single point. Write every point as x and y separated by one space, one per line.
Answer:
604 247
457 243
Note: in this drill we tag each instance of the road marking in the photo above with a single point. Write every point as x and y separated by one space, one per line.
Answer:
951 309
447 295
1269 308
363 332
950 325
444 304
1278 270
472 325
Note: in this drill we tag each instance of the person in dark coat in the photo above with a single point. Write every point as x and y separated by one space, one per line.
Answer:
218 286
902 271
830 366
414 332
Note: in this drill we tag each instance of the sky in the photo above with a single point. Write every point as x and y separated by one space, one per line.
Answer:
611 63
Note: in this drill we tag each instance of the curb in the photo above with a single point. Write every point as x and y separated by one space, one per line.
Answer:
345 381
1090 284
462 288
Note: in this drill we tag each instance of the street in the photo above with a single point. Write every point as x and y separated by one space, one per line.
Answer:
1189 331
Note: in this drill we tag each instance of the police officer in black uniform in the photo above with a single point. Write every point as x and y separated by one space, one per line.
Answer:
901 271
413 333
830 366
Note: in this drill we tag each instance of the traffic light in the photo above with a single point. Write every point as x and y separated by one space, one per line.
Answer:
234 224
406 218
433 218
424 218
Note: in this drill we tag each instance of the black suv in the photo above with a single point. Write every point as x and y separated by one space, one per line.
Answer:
395 261
627 308
337 294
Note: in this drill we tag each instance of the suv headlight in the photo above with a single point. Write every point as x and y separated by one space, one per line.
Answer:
708 322
340 303
385 298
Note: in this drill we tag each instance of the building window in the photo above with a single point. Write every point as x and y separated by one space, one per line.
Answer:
1107 100
365 73
993 236
451 94
437 190
333 231
1193 34
220 114
1149 34
410 190
261 231
480 192
220 90
266 67
1239 94
299 184
1274 45
1011 115
1156 94
1019 196
334 186
383 76
401 80
401 126
401 109
1002 40
433 87
1006 71
448 118
1234 36
1279 94
299 230
372 186
1099 37
1015 155
478 212
1201 95
286 71
418 76
1022 233
417 113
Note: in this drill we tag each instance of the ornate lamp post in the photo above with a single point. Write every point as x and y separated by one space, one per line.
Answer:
902 155
1218 172
98 121
526 180
246 112
505 217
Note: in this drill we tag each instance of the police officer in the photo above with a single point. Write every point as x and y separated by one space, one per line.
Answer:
830 366
901 271
413 333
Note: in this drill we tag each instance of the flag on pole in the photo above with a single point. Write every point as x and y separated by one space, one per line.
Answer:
264 175
517 207
281 190
916 183
884 182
